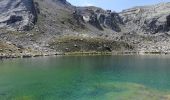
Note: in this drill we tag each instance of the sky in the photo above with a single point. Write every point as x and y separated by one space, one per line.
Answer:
116 5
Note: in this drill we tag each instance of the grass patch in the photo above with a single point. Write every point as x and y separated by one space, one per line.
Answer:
87 45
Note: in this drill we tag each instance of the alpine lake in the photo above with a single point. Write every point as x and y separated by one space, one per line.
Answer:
119 77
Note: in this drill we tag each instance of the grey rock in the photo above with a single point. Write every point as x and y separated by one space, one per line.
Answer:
147 19
17 14
100 18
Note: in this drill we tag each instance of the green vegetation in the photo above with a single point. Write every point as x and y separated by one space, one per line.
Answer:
8 48
88 45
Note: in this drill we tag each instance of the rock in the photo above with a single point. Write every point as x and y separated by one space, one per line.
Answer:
147 19
168 22
101 19
94 21
112 20
17 14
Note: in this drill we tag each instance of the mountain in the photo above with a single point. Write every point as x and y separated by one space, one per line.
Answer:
148 19
45 27
17 14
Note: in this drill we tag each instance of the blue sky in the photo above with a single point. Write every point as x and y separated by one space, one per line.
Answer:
116 5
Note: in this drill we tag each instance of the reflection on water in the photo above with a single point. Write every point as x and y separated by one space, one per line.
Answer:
86 78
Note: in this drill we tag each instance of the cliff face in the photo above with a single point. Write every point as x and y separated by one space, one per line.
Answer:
100 18
17 14
147 19
35 24
22 15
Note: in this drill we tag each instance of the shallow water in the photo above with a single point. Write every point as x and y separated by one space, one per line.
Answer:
86 78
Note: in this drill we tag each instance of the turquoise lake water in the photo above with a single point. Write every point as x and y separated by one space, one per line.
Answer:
86 78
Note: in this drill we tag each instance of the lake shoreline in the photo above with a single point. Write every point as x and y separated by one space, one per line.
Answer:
94 53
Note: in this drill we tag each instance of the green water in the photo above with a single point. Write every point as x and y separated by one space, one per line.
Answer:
86 78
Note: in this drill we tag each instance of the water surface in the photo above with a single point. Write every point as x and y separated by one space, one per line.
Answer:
86 78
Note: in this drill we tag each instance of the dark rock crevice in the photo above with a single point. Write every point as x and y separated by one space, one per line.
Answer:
168 20
94 21
14 19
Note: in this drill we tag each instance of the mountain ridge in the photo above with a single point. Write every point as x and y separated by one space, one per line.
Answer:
35 25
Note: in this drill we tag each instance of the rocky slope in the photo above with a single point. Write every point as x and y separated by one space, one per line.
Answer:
148 19
54 26
17 14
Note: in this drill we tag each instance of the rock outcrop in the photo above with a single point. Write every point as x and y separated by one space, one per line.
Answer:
100 18
147 19
17 14
22 15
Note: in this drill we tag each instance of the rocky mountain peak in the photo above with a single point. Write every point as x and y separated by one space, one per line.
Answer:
147 19
21 15
64 2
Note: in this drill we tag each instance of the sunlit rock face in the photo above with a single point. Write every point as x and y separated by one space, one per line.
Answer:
147 19
99 18
21 15
17 14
